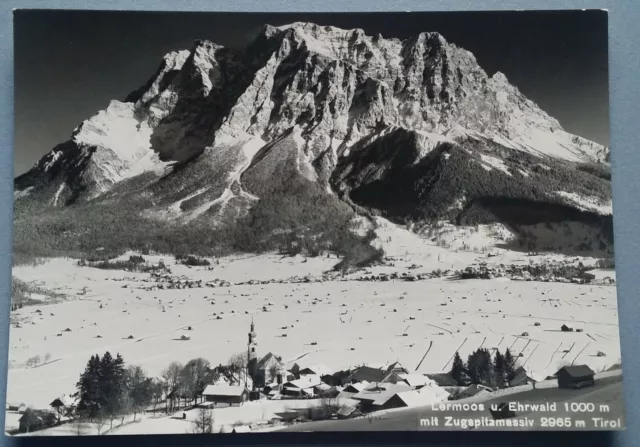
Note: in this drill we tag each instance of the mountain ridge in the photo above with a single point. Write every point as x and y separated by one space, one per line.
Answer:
216 130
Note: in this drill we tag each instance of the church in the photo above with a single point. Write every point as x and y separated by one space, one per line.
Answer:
269 370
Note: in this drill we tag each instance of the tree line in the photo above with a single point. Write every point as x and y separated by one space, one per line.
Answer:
482 368
108 390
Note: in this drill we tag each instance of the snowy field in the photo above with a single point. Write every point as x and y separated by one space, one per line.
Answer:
339 323
251 416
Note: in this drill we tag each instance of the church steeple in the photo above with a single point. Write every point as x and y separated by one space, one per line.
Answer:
253 343
252 360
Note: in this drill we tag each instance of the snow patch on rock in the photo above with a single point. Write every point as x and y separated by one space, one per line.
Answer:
495 163
592 204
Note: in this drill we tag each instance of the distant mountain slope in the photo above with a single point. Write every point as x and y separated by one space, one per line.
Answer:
310 118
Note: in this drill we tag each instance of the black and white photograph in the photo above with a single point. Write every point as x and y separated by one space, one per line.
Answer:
308 222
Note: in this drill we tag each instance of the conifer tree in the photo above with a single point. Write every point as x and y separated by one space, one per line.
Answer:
499 368
89 399
458 369
509 366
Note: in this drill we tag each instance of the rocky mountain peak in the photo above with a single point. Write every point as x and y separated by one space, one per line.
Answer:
311 95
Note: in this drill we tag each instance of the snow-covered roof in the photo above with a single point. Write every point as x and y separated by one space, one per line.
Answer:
356 386
414 379
380 393
321 370
474 389
308 381
223 390
267 360
423 396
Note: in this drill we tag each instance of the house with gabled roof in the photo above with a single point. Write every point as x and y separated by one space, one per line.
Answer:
224 395
303 387
318 370
577 376
376 395
414 398
414 380
397 368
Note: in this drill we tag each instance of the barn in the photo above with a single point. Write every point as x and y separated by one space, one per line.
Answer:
225 395
577 376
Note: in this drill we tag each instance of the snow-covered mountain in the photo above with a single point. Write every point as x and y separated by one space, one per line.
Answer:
412 128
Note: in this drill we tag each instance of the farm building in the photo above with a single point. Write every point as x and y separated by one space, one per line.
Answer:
32 420
577 376
413 380
414 398
566 328
63 405
225 395
20 408
318 370
521 377
375 396
473 390
388 395
353 389
303 387
397 368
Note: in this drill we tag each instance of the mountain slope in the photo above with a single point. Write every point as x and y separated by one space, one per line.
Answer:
314 121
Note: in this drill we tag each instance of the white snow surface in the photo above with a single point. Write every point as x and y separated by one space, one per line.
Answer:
123 145
348 320
588 203
494 162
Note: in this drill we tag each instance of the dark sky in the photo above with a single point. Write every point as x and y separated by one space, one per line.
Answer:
70 64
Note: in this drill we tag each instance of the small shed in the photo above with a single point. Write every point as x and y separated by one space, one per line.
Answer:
225 395
566 328
577 376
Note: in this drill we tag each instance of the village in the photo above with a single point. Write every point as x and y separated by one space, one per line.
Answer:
252 379
331 344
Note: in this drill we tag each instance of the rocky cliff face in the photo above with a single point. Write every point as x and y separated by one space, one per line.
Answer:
373 121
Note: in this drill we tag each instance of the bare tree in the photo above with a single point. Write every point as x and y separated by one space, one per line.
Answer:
140 389
125 407
194 378
172 377
157 389
237 364
203 423
331 405
100 421
79 427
